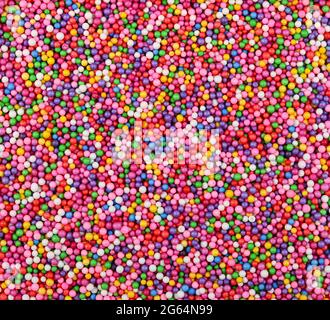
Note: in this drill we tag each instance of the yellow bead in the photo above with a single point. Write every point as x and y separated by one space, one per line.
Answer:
46 134
20 30
205 96
20 151
263 192
51 61
89 236
123 15
267 137
171 283
25 76
229 193
143 223
49 282
143 94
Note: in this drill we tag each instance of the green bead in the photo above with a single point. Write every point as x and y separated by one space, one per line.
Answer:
237 176
198 184
270 109
276 94
210 229
326 9
176 97
55 238
19 232
303 99
193 224
280 159
253 23
126 164
289 147
304 33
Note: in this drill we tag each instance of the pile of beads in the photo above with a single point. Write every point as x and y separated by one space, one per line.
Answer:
78 221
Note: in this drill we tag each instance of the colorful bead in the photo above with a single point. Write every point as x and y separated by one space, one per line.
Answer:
80 219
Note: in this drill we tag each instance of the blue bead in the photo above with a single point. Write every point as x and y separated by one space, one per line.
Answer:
288 175
68 215
185 288
253 15
192 291
153 292
246 266
11 86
